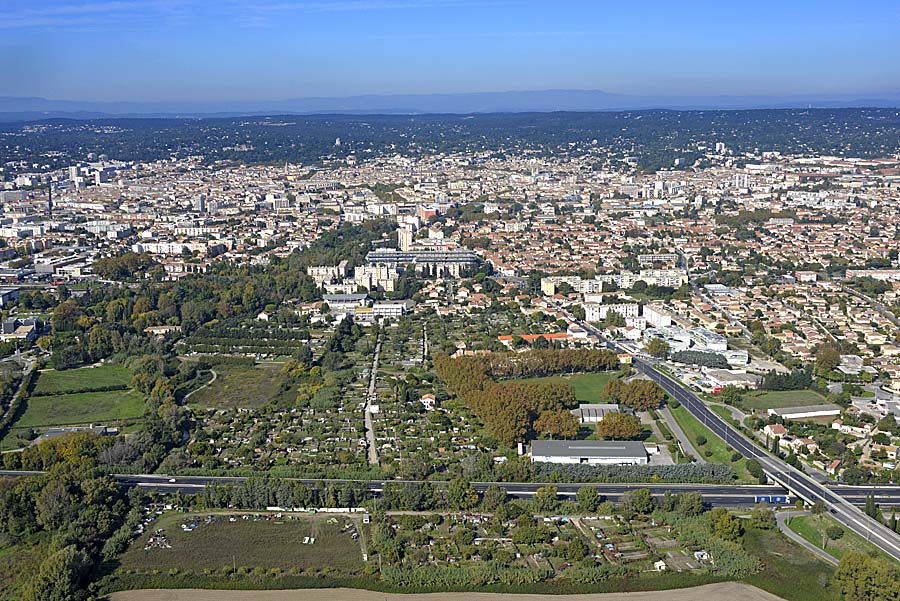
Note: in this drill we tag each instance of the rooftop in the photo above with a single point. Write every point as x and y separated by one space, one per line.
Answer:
588 448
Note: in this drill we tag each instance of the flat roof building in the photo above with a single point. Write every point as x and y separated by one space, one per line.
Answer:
806 412
591 452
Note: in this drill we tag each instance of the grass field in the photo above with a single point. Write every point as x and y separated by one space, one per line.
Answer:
791 572
773 399
588 387
75 397
80 380
248 543
241 386
81 408
721 453
812 528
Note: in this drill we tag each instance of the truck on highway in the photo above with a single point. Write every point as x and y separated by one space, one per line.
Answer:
773 499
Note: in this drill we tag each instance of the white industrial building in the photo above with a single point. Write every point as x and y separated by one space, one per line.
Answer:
590 452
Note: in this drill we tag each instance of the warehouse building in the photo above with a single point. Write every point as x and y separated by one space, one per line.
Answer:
591 452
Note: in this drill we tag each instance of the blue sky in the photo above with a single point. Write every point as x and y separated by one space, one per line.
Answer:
159 50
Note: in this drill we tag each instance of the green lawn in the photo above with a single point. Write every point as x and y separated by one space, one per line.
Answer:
812 528
773 399
81 408
721 453
241 386
588 387
248 543
724 413
79 380
789 571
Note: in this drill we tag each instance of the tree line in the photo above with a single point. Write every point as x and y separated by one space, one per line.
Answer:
516 411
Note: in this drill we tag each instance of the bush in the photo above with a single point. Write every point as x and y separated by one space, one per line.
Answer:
701 440
707 473
834 532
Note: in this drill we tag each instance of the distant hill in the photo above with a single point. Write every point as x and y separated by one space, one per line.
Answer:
22 108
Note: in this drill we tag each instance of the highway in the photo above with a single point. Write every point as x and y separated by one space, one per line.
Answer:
792 479
716 495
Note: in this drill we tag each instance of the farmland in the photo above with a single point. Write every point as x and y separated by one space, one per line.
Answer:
241 386
726 590
773 399
81 408
95 395
249 542
86 379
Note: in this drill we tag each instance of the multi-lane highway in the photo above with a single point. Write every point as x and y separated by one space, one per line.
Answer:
717 495
794 480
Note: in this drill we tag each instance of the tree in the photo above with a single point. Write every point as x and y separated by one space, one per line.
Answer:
725 525
577 549
560 423
834 532
613 319
690 504
58 577
587 498
730 395
462 494
642 395
762 517
827 358
619 426
493 497
638 501
861 577
657 347
546 498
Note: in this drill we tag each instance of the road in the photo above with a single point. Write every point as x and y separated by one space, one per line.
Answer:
687 446
885 312
370 396
780 472
782 518
725 495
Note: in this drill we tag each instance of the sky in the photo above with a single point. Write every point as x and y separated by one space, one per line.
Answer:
173 50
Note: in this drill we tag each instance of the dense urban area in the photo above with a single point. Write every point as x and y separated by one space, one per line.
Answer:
560 352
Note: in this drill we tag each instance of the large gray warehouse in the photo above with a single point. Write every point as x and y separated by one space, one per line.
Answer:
596 452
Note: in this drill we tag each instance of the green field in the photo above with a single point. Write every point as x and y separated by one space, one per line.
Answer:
240 386
80 380
81 408
789 571
247 543
76 397
721 453
812 528
588 387
774 399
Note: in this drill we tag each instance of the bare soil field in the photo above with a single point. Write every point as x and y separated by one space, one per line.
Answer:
726 591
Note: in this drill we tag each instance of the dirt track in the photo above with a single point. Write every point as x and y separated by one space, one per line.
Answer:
727 591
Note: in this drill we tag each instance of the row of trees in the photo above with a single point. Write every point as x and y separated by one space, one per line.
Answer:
515 411
702 358
799 379
640 395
